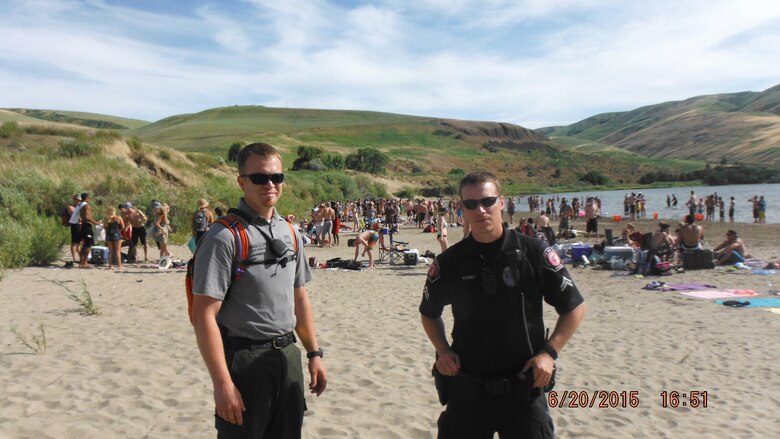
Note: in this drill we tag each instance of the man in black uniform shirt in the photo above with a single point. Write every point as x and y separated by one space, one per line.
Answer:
492 376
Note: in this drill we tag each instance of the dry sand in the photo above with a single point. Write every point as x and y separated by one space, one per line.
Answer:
134 371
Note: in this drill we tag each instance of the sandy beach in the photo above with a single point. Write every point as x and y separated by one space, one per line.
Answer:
134 371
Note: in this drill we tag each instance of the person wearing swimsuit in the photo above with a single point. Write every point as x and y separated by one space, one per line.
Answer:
114 224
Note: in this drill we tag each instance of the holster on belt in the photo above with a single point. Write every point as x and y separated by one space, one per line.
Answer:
442 385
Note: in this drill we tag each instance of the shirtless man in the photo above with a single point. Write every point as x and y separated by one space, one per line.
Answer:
662 236
730 251
691 203
592 212
543 222
328 217
691 234
87 234
137 220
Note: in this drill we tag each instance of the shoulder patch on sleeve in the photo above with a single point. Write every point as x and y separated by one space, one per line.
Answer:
552 261
433 271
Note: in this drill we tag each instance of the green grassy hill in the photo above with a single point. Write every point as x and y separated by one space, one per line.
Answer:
736 127
422 150
91 120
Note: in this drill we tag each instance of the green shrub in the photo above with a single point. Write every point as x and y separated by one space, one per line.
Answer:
79 149
15 245
164 154
367 160
9 129
594 178
233 151
49 237
406 192
135 144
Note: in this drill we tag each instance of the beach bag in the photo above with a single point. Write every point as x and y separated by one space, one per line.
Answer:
660 268
200 223
237 227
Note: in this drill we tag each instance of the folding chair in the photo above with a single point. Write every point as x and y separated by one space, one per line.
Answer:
393 253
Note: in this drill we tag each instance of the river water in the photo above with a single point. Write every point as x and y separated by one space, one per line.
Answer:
612 201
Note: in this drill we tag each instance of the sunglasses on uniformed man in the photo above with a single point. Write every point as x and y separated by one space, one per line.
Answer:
260 179
485 202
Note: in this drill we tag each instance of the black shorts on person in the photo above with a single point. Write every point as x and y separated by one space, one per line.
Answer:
139 233
87 236
592 226
271 385
75 233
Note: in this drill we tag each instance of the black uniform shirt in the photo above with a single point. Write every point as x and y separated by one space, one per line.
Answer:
498 324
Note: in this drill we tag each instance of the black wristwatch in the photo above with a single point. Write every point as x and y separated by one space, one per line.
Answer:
312 354
550 350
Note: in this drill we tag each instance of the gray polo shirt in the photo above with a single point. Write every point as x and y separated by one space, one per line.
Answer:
261 303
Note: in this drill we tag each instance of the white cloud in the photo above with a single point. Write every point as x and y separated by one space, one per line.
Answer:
531 62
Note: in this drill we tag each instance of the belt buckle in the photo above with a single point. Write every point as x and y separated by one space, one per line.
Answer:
273 343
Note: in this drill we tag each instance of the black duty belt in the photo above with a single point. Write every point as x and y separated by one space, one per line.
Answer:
522 383
279 342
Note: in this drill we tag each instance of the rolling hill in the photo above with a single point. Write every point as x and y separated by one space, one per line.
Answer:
422 150
91 120
736 127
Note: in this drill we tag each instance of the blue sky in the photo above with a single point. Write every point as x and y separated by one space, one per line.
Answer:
531 62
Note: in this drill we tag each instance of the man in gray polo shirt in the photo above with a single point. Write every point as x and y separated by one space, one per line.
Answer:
246 338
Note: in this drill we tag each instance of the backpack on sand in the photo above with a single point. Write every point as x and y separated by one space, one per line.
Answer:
200 223
236 224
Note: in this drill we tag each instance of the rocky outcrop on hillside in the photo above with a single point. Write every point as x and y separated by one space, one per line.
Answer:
497 130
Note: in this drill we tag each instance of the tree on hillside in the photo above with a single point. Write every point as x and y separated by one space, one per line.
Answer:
235 148
307 155
594 178
367 160
333 161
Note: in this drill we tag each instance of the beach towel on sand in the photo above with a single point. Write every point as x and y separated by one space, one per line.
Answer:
690 287
768 302
719 294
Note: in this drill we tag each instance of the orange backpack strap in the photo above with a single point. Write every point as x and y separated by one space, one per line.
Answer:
235 224
294 238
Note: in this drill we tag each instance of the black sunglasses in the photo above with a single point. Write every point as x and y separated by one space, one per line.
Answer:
260 178
485 202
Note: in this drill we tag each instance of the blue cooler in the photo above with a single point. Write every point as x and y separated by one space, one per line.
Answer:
99 255
578 251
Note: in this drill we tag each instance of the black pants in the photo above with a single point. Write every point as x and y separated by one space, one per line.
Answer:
480 417
271 385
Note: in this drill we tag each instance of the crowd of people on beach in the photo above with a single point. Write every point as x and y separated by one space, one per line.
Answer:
125 226
373 219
